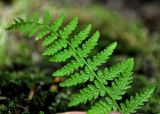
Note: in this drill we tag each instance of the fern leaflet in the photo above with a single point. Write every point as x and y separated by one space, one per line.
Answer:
130 106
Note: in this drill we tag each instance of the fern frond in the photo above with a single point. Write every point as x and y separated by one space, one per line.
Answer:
26 25
104 106
57 23
75 79
35 25
70 67
86 48
49 39
46 18
101 57
75 42
35 18
100 108
81 36
66 70
112 72
60 47
67 30
87 75
55 27
55 47
62 43
78 78
16 25
63 55
120 84
137 102
88 45
31 26
43 32
34 30
88 93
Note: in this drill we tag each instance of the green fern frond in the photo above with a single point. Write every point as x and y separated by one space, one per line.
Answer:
101 57
112 72
49 39
77 78
55 47
104 106
67 53
16 25
120 84
26 24
64 34
96 62
54 27
88 45
75 64
137 102
35 26
88 93
61 46
57 23
70 67
81 36
43 32
100 108
67 30
46 19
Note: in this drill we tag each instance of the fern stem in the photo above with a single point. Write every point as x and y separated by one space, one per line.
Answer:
94 74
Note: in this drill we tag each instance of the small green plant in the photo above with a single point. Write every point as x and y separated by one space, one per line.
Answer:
106 86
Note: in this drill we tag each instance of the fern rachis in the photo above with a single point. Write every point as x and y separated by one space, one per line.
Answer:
60 47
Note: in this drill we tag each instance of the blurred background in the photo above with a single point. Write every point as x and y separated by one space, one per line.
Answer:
26 84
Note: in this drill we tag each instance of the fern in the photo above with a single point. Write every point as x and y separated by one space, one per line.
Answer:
61 45
136 102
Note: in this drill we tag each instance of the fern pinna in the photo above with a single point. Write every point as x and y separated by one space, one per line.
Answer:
81 69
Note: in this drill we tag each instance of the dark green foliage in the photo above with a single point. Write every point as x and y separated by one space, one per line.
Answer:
23 89
25 78
62 45
9 109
